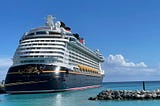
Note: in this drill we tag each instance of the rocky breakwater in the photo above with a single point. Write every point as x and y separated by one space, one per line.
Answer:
126 95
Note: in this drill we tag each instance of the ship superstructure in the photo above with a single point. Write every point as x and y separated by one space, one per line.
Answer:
52 58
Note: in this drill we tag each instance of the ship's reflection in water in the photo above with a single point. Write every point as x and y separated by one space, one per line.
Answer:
44 99
58 100
70 98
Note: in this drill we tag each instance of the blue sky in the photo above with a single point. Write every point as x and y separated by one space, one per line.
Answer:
125 31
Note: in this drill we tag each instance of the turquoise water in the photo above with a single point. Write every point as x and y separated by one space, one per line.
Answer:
80 98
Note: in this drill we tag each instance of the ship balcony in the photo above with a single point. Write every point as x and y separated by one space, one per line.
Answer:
42 54
40 50
42 42
38 60
30 46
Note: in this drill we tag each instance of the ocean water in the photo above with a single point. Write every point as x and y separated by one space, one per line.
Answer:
80 98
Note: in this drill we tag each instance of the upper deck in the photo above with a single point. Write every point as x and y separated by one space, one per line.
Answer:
49 44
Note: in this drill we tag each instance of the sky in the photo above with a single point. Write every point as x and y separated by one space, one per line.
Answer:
125 31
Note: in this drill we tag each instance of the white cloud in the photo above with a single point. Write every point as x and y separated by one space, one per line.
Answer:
5 63
119 60
118 69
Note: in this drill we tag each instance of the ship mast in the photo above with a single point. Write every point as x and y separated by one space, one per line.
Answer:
50 21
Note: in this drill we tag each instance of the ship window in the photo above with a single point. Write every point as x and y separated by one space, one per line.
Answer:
72 39
53 33
31 61
41 32
30 34
64 68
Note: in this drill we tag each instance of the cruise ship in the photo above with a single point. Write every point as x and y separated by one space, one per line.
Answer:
51 58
